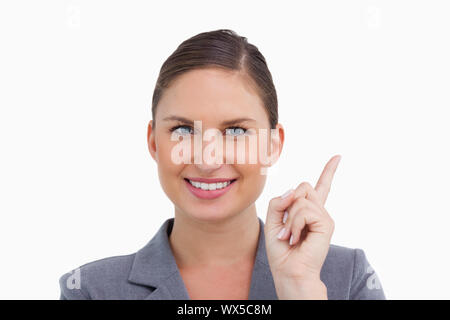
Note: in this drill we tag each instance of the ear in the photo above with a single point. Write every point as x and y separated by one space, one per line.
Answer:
277 141
151 140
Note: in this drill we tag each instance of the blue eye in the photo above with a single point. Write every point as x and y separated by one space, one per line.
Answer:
182 130
235 131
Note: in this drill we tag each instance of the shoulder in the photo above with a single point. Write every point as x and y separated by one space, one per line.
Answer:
348 275
99 279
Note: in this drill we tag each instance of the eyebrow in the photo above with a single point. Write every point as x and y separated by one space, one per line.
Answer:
224 123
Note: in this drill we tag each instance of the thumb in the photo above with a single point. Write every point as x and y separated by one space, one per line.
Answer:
277 207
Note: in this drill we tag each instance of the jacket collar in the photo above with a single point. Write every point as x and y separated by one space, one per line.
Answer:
154 265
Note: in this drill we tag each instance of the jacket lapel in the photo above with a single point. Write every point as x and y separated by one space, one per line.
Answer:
155 266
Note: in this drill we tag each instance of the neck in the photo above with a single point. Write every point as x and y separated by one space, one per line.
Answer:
204 243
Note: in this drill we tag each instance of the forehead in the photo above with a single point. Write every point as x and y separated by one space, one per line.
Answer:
213 93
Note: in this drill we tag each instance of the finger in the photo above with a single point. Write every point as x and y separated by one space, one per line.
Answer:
304 190
298 205
301 203
316 225
277 207
301 221
323 185
312 195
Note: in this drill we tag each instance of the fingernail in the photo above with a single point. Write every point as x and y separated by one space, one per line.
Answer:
281 234
285 216
290 239
286 194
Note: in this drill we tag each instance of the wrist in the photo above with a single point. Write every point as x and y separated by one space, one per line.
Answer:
289 288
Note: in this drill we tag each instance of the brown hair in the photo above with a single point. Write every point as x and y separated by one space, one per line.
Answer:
222 48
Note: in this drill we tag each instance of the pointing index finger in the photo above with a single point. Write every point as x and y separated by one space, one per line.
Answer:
323 185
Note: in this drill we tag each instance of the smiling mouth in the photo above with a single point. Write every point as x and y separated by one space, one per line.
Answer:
210 186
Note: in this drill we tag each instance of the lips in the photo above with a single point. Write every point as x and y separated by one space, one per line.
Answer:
209 188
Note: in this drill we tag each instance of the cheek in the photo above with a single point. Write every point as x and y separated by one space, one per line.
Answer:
166 166
252 179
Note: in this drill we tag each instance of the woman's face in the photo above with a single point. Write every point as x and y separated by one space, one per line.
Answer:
222 100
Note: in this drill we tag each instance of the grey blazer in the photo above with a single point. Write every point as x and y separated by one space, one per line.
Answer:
152 274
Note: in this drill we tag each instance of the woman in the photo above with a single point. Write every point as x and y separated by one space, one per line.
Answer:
216 247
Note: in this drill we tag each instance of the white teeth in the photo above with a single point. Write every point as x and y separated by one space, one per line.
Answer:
209 186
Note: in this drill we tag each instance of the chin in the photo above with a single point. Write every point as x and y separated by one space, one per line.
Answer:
210 213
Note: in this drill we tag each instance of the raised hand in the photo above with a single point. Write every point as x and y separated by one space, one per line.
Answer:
298 231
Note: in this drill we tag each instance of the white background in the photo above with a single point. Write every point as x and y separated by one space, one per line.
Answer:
365 79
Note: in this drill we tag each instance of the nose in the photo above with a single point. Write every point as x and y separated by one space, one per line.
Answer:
208 157
208 169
